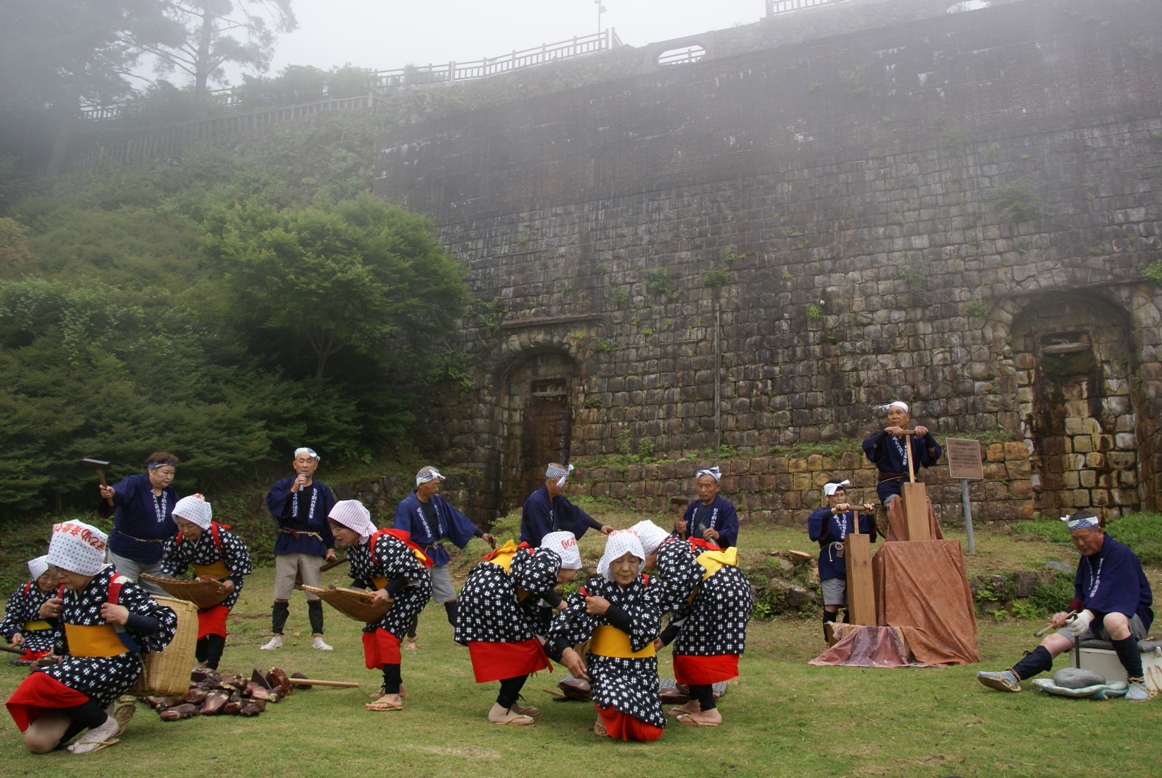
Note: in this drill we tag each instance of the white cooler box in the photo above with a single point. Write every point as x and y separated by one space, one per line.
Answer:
1099 656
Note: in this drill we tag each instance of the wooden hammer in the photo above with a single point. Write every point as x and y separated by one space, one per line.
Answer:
100 466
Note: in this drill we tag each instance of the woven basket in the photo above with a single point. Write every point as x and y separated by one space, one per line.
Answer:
167 672
359 605
204 594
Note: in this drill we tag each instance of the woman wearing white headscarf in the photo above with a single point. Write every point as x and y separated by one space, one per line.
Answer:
499 619
22 625
107 622
619 616
387 561
214 552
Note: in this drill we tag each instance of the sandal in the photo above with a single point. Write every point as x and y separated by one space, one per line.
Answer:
516 721
93 746
599 729
123 714
686 718
382 706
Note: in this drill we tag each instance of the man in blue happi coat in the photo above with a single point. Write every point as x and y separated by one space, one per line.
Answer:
1111 601
548 510
431 520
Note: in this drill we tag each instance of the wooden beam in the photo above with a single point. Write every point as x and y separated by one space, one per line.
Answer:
915 497
861 598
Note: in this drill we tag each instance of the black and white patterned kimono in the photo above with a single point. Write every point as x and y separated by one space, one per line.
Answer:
628 684
711 624
105 678
179 554
392 558
24 608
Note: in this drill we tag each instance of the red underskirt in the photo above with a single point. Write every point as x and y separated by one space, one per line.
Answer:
31 656
622 726
212 621
498 661
380 648
40 691
705 670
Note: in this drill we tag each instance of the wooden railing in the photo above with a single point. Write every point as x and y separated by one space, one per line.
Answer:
387 81
776 7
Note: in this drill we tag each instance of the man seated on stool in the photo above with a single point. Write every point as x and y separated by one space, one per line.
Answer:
1111 598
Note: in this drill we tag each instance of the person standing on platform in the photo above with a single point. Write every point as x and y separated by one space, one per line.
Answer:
430 520
829 526
143 520
711 517
1111 601
548 510
300 505
890 450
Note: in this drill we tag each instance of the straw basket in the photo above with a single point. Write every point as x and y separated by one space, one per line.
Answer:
168 672
204 594
356 604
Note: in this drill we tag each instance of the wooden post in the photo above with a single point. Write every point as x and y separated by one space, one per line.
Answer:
915 497
861 600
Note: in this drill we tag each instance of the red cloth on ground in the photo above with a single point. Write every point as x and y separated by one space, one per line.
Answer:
498 661
380 648
705 670
212 621
40 691
622 726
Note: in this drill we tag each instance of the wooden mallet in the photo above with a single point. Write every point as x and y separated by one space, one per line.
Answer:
100 466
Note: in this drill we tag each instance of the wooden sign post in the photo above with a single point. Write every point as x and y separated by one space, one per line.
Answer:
861 598
915 497
965 464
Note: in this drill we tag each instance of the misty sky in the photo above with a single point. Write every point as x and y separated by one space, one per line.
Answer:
381 35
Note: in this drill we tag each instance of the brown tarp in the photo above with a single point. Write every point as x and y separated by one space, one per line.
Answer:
897 528
921 587
868 647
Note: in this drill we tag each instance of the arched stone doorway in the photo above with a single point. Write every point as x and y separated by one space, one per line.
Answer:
1077 405
537 414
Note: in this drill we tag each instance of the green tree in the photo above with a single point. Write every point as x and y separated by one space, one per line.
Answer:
220 32
364 277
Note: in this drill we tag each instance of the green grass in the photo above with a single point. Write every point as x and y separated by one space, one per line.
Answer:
783 716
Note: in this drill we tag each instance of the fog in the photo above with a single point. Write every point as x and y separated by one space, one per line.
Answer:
380 36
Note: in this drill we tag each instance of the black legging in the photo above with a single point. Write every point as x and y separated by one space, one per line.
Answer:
704 695
88 715
209 650
510 691
391 679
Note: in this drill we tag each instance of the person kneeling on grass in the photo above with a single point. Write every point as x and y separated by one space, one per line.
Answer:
107 622
216 554
1111 600
387 561
499 616
619 616
22 625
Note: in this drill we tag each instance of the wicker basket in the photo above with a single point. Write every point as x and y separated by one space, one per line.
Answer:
357 604
204 594
168 672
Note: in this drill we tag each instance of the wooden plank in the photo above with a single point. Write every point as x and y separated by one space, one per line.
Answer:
916 511
861 599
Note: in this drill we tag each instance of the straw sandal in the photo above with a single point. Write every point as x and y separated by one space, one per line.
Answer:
383 705
686 718
599 729
123 714
96 745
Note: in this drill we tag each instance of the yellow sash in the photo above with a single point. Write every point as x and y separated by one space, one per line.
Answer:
715 560
608 640
380 582
30 626
502 557
217 570
99 640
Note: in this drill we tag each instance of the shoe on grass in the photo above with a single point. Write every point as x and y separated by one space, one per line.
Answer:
319 644
1004 681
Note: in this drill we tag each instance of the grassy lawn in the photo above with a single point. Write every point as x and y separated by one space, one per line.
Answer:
783 716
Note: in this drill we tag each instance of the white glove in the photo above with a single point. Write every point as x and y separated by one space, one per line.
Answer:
1079 624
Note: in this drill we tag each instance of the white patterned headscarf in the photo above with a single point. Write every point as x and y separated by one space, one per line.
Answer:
650 534
77 547
305 450
426 474
617 545
831 487
1083 519
560 472
195 509
38 566
564 545
352 515
713 472
895 404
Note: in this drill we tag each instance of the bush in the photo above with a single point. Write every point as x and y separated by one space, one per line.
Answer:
1142 532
